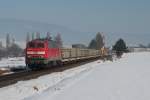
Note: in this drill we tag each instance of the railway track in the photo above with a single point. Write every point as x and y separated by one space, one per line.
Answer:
9 79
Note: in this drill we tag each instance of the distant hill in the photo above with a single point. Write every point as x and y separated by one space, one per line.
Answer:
19 28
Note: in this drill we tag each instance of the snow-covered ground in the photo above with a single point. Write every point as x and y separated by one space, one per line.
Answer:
123 79
12 62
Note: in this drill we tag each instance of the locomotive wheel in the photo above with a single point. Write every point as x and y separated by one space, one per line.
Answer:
50 64
59 63
27 67
34 67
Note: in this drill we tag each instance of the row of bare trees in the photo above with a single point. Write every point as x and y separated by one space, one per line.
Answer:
36 35
11 49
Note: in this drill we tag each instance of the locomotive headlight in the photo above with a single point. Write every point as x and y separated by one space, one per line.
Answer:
36 52
29 56
41 52
30 52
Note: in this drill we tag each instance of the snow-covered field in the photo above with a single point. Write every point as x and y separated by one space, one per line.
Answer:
12 62
123 79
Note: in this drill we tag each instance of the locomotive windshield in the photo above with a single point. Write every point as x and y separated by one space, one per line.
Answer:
40 45
31 45
36 45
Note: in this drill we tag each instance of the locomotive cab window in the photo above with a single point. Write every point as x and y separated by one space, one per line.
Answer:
40 45
31 45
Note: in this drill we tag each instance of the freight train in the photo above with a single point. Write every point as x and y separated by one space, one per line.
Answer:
46 52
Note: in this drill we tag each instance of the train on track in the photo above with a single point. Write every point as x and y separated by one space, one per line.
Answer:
45 52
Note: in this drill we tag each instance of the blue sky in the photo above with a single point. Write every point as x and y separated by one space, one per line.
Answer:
126 16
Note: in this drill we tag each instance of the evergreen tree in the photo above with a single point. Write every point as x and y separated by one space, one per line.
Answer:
120 47
97 42
92 44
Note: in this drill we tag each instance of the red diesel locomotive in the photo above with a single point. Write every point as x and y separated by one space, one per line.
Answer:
42 52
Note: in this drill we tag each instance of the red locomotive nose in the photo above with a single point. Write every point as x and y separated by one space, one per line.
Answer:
42 51
36 49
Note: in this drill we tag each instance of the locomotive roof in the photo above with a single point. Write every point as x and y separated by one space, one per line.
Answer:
42 39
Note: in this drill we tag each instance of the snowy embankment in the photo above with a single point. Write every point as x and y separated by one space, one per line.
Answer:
12 62
52 82
6 64
123 79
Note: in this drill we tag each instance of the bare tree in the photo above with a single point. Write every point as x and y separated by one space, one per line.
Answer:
58 40
37 35
27 37
33 36
1 44
99 40
13 41
48 36
8 41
